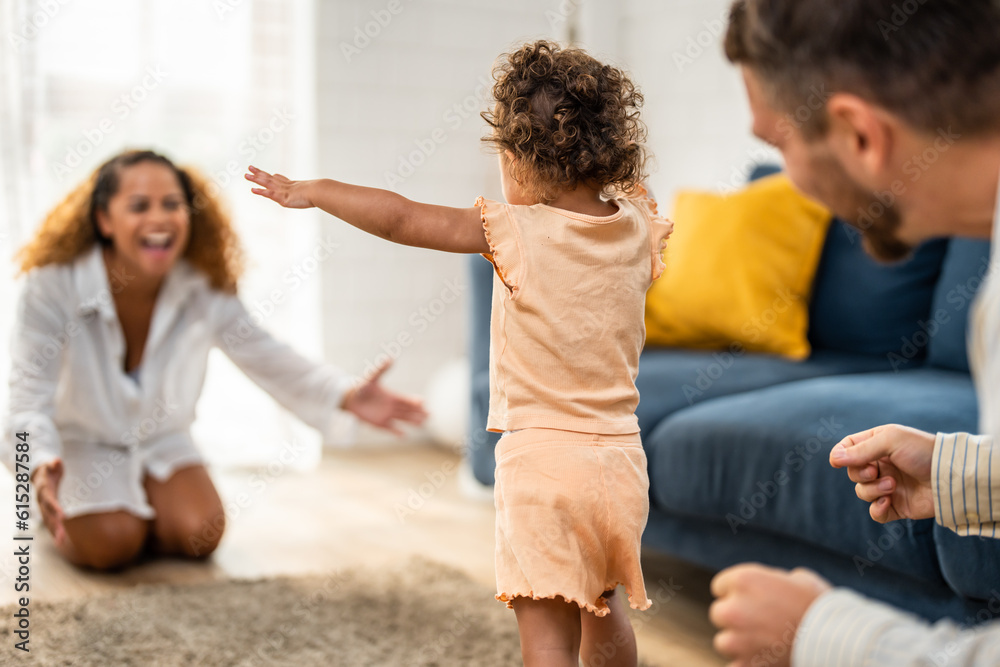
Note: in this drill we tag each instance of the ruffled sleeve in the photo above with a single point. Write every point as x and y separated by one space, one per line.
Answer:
659 231
502 237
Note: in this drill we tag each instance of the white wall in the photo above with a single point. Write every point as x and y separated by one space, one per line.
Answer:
382 97
389 106
696 110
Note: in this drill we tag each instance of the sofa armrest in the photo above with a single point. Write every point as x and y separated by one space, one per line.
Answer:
480 295
480 443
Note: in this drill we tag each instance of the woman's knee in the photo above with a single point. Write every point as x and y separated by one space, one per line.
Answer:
192 534
190 518
108 540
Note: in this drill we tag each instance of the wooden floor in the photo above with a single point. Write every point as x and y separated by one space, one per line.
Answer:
365 507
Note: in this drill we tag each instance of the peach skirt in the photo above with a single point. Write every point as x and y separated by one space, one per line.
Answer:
571 508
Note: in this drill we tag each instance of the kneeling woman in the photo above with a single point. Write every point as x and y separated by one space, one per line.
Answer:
131 280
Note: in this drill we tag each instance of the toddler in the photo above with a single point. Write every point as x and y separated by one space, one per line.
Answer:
574 250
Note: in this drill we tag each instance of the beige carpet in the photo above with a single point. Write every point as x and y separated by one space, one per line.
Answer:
423 614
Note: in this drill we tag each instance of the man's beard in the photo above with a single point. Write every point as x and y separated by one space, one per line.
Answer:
858 207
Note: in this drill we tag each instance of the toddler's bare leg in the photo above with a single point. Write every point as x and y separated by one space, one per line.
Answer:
550 632
608 641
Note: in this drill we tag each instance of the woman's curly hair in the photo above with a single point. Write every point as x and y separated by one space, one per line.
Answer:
70 229
568 120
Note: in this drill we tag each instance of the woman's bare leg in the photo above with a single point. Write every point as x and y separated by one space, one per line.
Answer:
550 632
190 518
608 641
103 541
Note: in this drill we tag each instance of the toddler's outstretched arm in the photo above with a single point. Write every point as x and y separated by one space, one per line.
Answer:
380 212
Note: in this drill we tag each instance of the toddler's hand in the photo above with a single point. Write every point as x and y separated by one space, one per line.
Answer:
288 193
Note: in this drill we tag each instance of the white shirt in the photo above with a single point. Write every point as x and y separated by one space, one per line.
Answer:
843 628
68 382
984 337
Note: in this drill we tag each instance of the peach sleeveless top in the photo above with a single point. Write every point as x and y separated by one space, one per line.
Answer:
567 319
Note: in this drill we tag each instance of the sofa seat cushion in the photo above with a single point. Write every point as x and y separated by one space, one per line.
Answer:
761 460
671 379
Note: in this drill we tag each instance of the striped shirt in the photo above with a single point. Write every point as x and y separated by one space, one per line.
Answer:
842 628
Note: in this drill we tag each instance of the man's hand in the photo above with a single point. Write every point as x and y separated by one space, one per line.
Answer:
46 479
276 187
758 612
373 403
892 468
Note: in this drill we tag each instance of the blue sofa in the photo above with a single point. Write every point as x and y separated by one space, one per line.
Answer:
738 442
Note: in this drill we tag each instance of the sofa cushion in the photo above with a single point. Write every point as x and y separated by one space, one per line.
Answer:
712 544
965 266
896 297
861 306
480 276
760 459
739 268
671 379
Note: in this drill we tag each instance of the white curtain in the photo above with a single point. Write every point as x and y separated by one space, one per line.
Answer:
216 85
16 98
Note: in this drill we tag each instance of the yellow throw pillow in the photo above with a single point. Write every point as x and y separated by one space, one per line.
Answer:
739 269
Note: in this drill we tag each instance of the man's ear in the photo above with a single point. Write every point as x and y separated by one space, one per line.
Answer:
861 134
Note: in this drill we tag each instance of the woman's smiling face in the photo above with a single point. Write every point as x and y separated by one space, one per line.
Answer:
148 220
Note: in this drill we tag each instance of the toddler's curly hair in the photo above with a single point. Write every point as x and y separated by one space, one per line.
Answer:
568 120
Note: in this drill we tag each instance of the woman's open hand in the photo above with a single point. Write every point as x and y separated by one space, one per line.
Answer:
288 193
46 479
375 404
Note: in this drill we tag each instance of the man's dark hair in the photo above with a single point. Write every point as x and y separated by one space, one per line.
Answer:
933 63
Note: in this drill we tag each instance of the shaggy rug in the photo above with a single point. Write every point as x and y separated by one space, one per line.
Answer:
423 614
